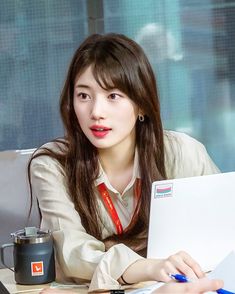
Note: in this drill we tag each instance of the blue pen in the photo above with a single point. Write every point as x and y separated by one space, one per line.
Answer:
183 279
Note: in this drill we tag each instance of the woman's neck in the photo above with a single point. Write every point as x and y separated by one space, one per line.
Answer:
118 165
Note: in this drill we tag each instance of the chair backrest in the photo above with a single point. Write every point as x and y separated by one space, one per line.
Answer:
15 197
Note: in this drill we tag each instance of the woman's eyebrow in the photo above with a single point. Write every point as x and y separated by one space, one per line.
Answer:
82 86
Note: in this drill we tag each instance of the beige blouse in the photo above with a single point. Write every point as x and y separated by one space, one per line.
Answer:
81 257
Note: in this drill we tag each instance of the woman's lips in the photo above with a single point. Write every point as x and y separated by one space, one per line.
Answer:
100 131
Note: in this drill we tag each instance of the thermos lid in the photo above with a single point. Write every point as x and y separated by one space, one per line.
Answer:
31 235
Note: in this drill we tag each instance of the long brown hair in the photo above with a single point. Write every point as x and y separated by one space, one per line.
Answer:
119 62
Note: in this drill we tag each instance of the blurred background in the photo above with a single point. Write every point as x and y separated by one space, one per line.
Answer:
190 43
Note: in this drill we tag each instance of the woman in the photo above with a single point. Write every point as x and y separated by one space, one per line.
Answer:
94 185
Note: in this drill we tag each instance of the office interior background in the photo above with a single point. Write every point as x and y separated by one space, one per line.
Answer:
190 43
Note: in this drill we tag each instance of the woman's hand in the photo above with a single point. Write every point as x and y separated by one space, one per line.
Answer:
197 287
159 269
180 262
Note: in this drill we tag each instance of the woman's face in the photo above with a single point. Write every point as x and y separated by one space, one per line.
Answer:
107 117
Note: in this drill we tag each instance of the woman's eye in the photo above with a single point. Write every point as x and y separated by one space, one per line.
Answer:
83 96
114 96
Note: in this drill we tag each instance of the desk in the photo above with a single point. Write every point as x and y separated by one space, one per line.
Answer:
7 278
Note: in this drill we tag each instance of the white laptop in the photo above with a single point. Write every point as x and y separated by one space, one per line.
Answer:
194 214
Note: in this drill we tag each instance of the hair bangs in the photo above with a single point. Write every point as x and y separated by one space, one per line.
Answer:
110 75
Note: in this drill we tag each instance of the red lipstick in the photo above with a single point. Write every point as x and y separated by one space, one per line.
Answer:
99 131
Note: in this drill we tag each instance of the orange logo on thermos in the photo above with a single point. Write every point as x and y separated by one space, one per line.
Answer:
37 268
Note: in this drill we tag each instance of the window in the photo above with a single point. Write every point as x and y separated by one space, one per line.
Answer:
37 40
191 45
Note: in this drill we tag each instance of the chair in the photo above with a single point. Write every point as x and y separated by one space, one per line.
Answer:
15 197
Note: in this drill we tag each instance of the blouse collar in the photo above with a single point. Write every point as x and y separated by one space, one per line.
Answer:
102 178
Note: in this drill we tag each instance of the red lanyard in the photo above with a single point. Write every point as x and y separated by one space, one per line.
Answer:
110 207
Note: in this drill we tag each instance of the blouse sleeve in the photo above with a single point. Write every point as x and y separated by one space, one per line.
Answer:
80 256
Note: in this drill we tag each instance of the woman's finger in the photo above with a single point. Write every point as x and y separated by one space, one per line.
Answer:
167 268
204 285
193 264
187 265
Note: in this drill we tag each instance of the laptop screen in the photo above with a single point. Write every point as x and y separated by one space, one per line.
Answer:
194 214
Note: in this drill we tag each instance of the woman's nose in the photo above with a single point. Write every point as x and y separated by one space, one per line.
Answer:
98 109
